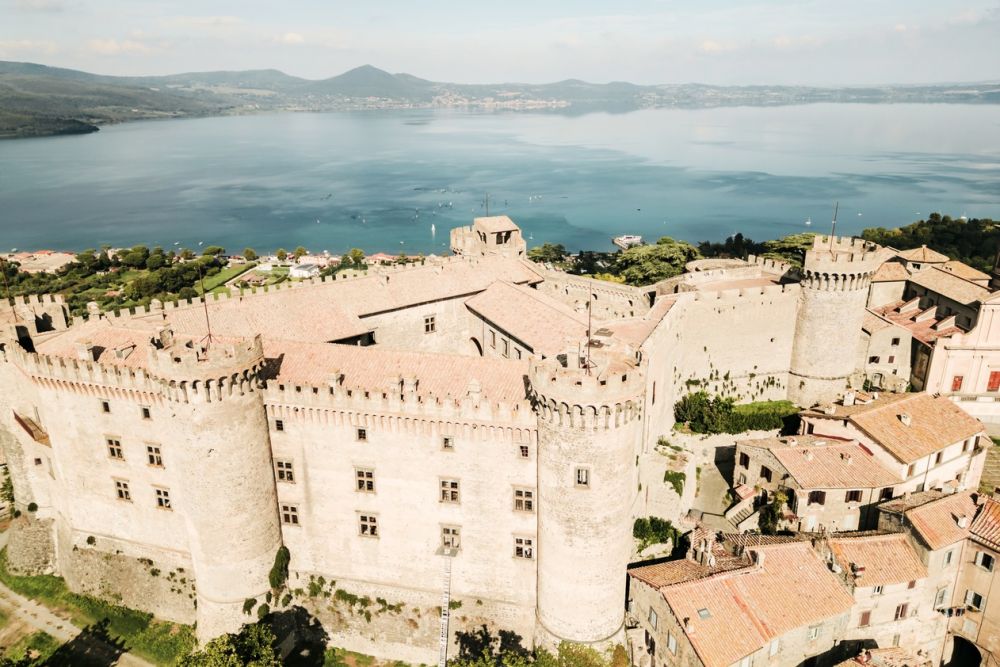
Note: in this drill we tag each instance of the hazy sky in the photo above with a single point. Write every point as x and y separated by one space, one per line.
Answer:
644 41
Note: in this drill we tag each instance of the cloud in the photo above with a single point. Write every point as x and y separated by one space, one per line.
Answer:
39 5
113 47
12 48
901 27
204 22
712 46
292 38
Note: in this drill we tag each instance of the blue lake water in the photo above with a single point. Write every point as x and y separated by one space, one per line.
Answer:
380 180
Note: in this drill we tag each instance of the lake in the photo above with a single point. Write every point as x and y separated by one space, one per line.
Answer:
399 180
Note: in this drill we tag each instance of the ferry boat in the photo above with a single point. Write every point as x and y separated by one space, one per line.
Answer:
626 241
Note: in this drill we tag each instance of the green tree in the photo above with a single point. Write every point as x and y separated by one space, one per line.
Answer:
282 254
136 257
187 254
7 489
791 248
300 251
253 646
356 257
647 264
249 254
213 251
548 252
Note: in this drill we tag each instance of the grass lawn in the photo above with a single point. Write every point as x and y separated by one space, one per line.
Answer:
41 645
213 283
160 642
783 408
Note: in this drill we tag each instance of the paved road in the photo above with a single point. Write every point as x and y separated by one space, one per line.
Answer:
42 618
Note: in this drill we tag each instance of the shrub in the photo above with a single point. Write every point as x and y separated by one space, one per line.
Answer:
248 605
263 611
675 479
653 530
279 571
32 507
716 414
91 540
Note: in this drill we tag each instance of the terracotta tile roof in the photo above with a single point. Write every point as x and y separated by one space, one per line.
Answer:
835 466
678 571
890 272
105 338
494 224
530 316
936 521
751 540
950 285
374 367
893 656
875 322
886 559
925 330
743 610
635 330
923 254
963 270
986 526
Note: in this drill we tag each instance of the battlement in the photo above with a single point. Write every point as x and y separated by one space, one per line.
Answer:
174 360
742 293
38 300
771 265
603 399
837 255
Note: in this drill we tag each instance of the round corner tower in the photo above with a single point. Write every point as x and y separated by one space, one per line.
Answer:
226 489
589 426
834 290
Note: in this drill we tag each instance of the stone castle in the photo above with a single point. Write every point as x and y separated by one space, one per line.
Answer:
474 435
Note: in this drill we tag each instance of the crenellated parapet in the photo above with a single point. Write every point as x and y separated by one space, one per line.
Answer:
205 372
573 398
836 264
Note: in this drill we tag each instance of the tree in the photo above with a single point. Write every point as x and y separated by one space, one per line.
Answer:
213 251
791 248
547 252
253 646
300 251
282 254
187 254
647 264
356 257
249 254
156 261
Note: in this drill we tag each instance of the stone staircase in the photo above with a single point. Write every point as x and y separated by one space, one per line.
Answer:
739 517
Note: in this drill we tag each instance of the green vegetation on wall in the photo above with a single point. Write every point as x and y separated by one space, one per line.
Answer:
716 414
654 530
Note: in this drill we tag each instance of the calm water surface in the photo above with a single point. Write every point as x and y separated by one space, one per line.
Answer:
396 181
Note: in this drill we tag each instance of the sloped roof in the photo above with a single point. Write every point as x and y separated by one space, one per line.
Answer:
745 609
874 322
922 254
948 284
963 270
835 466
886 559
495 223
890 272
936 521
986 526
530 316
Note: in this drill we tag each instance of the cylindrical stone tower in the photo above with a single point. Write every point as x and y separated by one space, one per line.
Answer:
588 433
835 279
226 491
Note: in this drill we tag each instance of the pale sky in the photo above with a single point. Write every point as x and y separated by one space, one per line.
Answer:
813 42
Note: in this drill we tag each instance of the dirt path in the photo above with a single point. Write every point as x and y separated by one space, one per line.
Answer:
42 618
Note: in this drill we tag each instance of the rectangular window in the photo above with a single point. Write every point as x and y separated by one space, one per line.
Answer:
524 500
892 359
956 383
895 640
362 434
985 561
817 498
671 643
448 442
115 450
524 451
449 490
163 498
941 596
517 352
876 590
368 525
994 383
284 471
910 470
451 537
506 348
912 584
653 618
765 473
895 342
967 445
105 406
974 600
947 557
886 493
814 631
121 488
430 324
145 412
153 456
289 514
279 425
744 460
365 479
524 547
872 360
853 496
900 611
493 339
938 458
866 619
583 477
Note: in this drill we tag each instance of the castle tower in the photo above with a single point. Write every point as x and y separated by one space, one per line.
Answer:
227 494
835 279
588 431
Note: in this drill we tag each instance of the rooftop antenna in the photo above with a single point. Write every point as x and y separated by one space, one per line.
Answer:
204 300
833 227
486 201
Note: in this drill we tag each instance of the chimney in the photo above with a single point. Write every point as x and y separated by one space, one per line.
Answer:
793 441
849 399
688 628
962 521
848 458
808 454
906 419
757 558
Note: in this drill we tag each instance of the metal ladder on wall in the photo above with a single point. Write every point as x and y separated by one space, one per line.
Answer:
445 610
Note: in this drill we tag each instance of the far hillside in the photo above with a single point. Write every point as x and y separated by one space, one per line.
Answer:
974 241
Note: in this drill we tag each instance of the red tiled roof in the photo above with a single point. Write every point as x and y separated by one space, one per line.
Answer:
532 317
937 521
886 559
986 526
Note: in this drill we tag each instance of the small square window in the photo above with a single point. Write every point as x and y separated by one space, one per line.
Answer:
815 631
892 359
872 360
524 500
895 342
115 450
876 590
912 584
985 561
524 451
886 493
744 460
853 496
38 462
365 479
163 498
940 597
524 547
284 470
765 473
451 537
290 514
938 458
121 488
368 525
704 613
105 406
449 491
865 620
583 477
362 434
430 324
911 470
974 600
448 442
279 425
153 456
146 413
